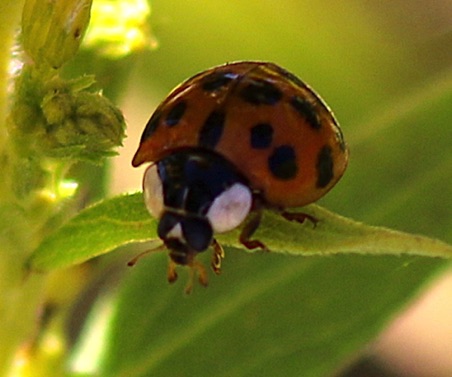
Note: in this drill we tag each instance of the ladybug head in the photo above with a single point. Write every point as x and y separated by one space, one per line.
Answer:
184 235
194 194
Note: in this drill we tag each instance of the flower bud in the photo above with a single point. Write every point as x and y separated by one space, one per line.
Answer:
81 125
52 30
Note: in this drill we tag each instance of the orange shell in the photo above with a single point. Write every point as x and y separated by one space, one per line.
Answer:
312 131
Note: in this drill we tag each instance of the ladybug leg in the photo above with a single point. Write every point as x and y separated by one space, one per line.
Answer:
196 268
299 217
217 256
172 273
248 230
202 273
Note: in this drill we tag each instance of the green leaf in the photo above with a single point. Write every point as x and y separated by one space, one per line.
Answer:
95 231
335 234
266 315
115 222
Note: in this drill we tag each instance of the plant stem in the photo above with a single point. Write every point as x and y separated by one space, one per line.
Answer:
20 296
9 21
19 313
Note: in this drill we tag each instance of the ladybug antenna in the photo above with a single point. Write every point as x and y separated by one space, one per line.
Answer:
133 261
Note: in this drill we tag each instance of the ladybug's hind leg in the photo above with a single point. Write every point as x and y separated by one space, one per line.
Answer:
299 217
252 223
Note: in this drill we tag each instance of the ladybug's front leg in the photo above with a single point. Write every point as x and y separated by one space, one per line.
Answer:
217 256
252 223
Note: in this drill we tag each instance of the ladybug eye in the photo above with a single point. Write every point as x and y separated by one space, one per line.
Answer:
153 192
230 208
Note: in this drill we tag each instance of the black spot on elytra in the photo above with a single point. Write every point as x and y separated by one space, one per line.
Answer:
175 114
306 109
151 125
325 166
217 80
261 136
211 131
282 163
260 92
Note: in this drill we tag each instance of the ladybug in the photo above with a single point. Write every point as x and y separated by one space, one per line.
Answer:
227 143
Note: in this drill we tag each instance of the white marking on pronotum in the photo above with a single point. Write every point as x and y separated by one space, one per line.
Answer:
230 208
153 191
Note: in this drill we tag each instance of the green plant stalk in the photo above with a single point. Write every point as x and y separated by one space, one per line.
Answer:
9 17
47 124
20 297
20 310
